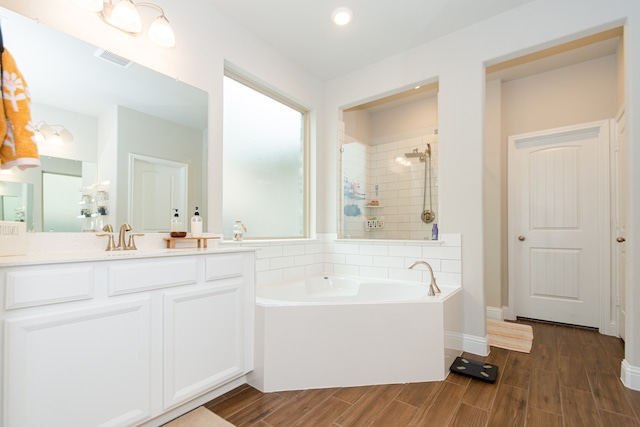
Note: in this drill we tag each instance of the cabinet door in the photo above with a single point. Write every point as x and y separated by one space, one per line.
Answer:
203 339
82 368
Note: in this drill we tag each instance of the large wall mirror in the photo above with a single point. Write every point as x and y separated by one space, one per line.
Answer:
389 167
113 108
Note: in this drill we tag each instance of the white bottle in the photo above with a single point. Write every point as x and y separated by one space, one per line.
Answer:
176 222
196 224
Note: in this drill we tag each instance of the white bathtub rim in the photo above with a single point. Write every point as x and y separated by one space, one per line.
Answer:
424 298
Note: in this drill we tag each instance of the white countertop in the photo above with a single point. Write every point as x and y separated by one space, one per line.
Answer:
56 248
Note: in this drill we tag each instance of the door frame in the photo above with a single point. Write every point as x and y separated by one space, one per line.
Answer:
602 216
133 159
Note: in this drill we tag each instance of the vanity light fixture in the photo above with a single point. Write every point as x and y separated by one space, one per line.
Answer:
342 16
124 16
51 134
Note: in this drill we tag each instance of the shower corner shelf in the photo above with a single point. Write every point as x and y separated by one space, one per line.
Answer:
372 206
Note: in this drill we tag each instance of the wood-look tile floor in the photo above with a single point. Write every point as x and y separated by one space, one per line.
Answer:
570 378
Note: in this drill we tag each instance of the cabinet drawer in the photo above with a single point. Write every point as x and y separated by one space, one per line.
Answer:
223 266
128 277
29 288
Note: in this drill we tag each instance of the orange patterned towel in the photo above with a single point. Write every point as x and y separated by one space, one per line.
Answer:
18 146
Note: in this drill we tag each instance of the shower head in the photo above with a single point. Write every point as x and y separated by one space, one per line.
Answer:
412 155
419 154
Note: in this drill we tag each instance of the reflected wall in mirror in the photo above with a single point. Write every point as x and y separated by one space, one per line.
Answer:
113 108
64 181
389 167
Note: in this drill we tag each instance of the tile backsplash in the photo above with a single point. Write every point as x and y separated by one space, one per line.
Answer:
278 261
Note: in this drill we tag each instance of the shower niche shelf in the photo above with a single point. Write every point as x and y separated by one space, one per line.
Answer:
373 224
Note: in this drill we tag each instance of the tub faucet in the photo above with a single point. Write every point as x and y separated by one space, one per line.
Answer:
433 287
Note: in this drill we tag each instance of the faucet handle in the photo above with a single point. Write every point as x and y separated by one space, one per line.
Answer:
108 228
110 242
132 244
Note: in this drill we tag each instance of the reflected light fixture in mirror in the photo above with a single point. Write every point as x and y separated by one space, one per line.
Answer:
51 134
125 17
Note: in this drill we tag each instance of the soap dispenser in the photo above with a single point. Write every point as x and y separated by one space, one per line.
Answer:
176 222
196 224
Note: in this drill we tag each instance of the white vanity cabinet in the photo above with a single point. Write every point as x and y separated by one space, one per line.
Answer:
122 341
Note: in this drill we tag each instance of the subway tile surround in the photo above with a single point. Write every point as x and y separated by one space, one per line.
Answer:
278 261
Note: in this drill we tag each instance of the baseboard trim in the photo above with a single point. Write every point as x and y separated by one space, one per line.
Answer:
494 313
476 345
630 375
508 314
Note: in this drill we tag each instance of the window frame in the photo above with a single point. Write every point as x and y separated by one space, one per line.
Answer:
306 163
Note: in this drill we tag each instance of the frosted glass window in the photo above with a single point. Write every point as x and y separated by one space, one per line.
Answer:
263 164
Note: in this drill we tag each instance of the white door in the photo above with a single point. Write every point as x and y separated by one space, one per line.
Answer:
558 204
620 176
157 186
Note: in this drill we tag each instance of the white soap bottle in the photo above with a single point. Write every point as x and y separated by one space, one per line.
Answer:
196 224
176 222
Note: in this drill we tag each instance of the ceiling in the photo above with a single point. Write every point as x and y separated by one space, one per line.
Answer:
303 31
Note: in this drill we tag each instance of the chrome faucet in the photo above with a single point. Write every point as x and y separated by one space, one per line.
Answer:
433 287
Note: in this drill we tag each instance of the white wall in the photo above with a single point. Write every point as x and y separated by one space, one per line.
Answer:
459 69
580 93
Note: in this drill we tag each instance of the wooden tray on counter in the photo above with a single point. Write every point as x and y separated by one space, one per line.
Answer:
202 241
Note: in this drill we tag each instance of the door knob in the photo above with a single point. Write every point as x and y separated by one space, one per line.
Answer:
521 238
621 239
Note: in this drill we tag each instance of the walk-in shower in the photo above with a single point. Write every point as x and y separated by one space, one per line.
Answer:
428 215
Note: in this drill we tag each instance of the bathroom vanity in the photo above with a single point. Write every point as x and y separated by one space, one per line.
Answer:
123 338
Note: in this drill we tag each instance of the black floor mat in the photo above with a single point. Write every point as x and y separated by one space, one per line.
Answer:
475 369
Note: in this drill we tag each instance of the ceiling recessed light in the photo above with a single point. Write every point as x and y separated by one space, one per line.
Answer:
342 16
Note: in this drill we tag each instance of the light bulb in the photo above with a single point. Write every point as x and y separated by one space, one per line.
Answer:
126 16
38 137
56 139
161 33
342 16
